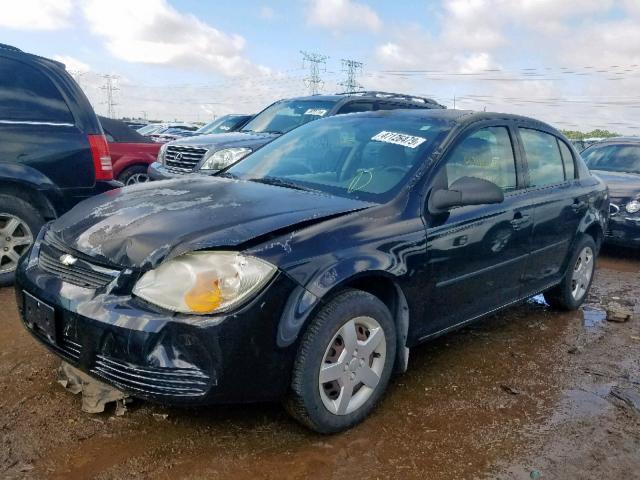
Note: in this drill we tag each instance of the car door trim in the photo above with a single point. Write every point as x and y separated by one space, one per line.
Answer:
28 122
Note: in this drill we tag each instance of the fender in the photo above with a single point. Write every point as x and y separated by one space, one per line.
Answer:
34 181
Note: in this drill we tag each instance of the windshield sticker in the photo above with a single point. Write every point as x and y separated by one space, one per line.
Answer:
224 127
398 139
318 112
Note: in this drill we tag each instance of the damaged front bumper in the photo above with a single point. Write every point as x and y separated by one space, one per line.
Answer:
156 354
624 230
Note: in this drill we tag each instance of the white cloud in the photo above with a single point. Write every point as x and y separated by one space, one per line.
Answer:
151 31
343 15
73 64
267 13
36 14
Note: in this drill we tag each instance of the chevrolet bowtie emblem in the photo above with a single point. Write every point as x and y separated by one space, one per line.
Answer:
67 259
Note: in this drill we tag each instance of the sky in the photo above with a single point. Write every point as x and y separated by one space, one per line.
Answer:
572 63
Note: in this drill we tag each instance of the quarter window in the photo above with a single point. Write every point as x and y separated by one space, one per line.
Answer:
26 94
486 154
567 157
543 158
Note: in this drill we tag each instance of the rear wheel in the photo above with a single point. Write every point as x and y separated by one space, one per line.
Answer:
344 363
573 289
134 174
19 224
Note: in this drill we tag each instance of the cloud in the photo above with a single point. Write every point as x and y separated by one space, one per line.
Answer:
267 13
153 32
343 15
72 64
36 14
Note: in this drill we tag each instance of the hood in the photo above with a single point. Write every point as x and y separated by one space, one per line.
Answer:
621 185
218 141
141 225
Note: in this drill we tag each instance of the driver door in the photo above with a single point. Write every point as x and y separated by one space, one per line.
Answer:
477 253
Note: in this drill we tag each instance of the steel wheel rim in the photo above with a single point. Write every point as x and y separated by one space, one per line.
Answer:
15 239
137 178
352 365
582 273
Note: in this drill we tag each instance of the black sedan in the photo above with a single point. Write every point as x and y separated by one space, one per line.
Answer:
617 162
308 270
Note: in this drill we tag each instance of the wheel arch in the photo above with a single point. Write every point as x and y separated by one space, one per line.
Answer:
303 305
31 195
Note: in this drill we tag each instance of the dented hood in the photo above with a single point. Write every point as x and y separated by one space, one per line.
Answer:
142 225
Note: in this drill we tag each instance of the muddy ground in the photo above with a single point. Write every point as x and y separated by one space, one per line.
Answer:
522 394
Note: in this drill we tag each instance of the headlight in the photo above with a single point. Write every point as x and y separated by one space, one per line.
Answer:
161 153
204 282
633 206
223 158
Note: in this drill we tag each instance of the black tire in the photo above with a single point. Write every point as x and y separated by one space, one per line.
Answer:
129 174
304 402
560 296
26 213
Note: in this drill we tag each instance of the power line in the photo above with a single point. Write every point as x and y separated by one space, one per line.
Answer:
109 88
314 61
352 69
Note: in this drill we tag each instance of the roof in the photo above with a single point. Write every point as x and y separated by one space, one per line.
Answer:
346 96
16 51
121 132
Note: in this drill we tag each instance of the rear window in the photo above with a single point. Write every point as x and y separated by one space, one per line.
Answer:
27 95
543 158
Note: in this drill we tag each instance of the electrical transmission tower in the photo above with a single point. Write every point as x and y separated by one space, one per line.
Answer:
109 87
352 69
315 61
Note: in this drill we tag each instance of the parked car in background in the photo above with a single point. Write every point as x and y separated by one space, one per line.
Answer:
135 125
617 162
170 133
52 150
308 270
208 154
157 127
131 153
224 124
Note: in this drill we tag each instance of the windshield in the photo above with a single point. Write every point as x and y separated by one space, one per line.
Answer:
287 115
221 125
613 158
149 129
355 156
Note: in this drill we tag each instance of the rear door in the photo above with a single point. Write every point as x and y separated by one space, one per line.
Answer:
558 206
477 253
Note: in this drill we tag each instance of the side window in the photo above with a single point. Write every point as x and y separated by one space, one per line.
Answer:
543 158
569 162
355 107
26 94
487 154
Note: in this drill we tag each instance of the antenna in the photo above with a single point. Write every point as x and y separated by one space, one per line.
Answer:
109 88
352 69
314 60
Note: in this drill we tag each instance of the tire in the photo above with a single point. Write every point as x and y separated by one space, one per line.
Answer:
565 296
323 407
133 175
25 223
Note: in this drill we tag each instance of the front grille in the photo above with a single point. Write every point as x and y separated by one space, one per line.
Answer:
70 348
176 382
81 273
180 159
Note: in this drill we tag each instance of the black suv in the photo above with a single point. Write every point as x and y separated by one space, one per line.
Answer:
306 271
52 150
210 153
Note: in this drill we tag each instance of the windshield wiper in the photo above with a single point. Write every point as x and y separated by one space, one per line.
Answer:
278 182
226 174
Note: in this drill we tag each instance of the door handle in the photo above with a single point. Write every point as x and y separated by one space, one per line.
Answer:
519 219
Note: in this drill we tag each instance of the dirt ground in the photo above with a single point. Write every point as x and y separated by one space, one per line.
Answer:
522 394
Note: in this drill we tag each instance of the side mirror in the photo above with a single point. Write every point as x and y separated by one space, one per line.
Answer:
465 191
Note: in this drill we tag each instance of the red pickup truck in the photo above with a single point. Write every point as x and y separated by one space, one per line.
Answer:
131 153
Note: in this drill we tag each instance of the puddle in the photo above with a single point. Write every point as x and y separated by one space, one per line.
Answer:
593 316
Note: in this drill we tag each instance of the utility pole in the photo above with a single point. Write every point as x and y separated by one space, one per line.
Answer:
109 87
352 69
314 60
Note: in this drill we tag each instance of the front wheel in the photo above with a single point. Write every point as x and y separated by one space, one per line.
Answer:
573 289
134 175
344 363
